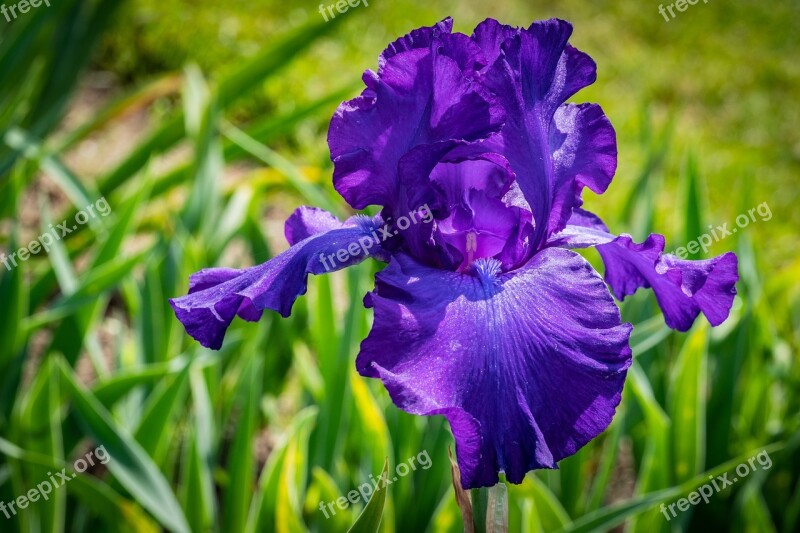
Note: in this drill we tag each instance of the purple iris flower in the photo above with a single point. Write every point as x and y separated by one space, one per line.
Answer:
483 315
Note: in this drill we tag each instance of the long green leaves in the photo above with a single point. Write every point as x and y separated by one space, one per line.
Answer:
370 518
129 462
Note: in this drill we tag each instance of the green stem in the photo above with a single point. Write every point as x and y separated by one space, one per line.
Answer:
480 502
490 509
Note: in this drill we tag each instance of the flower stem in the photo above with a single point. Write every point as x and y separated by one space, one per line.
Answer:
490 509
480 501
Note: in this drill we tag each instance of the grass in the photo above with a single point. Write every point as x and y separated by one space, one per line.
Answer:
256 436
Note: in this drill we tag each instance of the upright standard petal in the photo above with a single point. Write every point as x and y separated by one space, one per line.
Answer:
217 295
415 39
554 150
584 147
456 46
422 103
683 288
490 36
494 354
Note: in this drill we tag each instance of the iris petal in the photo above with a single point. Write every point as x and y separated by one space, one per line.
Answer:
490 36
535 72
457 46
495 353
584 147
683 288
474 215
217 295
422 103
307 221
211 277
418 38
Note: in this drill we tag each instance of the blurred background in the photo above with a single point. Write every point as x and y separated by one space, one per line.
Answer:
193 129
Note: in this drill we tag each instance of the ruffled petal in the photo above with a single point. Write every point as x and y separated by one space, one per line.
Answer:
490 36
682 287
211 277
526 366
415 39
422 103
535 72
456 46
583 230
584 147
217 295
307 221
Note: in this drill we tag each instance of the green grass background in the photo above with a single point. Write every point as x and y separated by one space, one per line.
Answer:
203 124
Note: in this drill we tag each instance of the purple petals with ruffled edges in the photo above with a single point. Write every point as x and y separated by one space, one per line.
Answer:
422 102
217 295
683 288
584 147
534 73
494 354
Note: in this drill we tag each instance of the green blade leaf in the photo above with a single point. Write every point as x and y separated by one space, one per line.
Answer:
41 420
198 486
370 518
231 88
156 426
129 463
241 462
263 511
91 492
686 405
608 518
